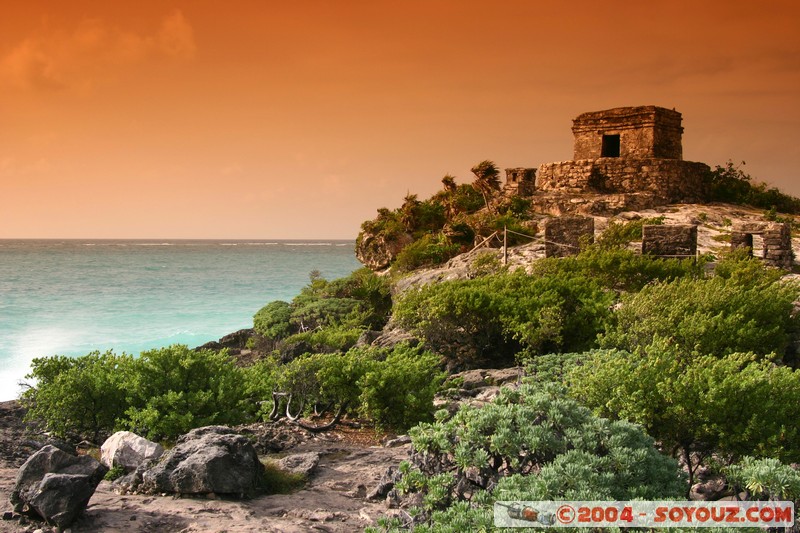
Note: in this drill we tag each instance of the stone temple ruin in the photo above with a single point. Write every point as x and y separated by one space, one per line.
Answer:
627 158
631 158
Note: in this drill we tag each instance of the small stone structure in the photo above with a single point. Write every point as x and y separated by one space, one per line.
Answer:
624 158
562 235
644 132
776 241
520 181
675 240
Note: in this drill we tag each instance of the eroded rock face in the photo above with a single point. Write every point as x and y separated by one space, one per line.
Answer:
377 252
56 485
128 450
212 459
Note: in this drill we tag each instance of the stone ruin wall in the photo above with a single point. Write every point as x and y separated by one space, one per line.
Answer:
563 235
644 132
668 180
776 242
670 240
520 181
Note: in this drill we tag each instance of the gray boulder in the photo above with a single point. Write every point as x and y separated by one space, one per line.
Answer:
56 486
128 450
300 463
213 459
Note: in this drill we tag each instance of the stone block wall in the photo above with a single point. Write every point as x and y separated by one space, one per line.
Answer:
563 235
674 240
776 241
644 132
520 181
669 180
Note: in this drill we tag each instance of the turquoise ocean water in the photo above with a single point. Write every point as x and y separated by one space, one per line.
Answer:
71 297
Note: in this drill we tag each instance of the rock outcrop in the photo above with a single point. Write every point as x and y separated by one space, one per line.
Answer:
128 450
212 459
56 486
377 252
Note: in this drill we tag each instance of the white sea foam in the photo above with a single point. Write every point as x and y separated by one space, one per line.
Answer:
25 347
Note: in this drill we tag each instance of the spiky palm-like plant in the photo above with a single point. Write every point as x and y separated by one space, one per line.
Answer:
487 181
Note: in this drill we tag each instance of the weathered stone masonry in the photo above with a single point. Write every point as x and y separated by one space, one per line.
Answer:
674 240
563 235
520 181
776 240
627 150
643 132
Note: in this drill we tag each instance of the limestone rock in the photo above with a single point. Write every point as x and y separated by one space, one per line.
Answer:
56 485
205 460
300 463
377 252
385 485
128 450
710 490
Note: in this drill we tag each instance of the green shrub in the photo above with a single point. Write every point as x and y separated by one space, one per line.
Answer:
259 382
272 320
328 339
465 199
619 268
731 184
428 251
738 404
398 391
176 389
488 320
79 396
529 444
393 387
741 309
765 479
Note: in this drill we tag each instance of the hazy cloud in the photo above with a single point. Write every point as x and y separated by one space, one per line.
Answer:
78 58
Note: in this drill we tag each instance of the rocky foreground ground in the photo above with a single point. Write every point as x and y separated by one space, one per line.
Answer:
336 497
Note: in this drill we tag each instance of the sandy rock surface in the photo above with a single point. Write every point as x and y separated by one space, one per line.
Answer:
351 463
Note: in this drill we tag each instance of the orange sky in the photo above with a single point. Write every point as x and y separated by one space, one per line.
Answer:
298 119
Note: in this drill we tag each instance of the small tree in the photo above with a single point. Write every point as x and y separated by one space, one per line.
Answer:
486 181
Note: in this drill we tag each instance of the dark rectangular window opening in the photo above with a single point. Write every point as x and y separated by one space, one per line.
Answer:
610 146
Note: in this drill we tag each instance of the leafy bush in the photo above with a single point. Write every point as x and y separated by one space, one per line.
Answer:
272 320
731 184
529 444
327 340
765 479
429 251
176 389
326 315
619 268
465 199
490 319
259 381
742 309
738 404
398 391
161 394
394 387
80 396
